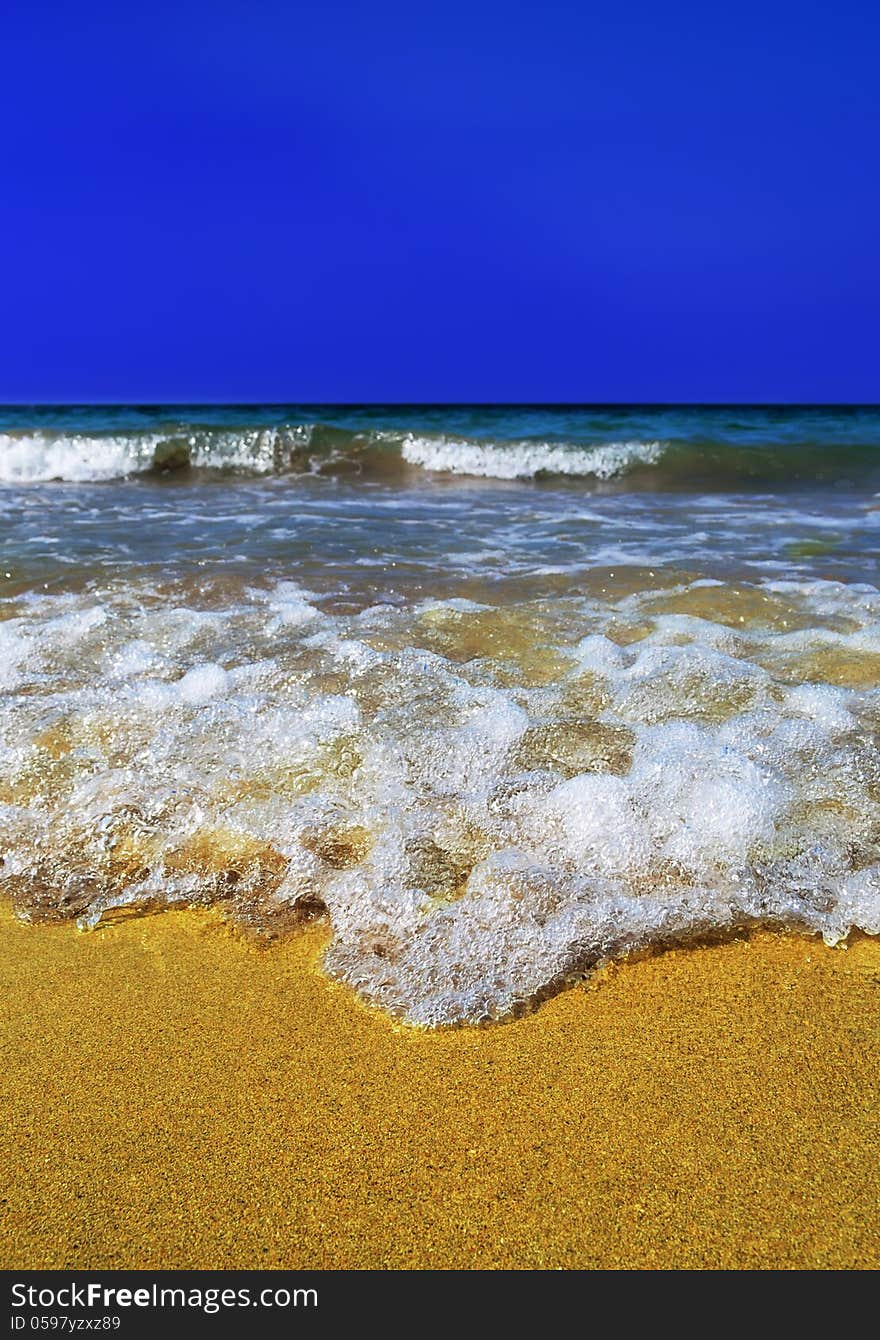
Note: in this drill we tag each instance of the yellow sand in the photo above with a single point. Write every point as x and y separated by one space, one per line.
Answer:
174 1096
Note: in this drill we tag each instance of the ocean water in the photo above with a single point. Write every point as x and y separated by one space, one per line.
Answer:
501 693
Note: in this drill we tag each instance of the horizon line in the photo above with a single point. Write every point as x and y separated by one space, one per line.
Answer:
439 404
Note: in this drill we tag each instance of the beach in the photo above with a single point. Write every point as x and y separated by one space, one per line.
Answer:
440 835
439 657
175 1097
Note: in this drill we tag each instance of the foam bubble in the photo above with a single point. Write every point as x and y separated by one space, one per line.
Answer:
201 683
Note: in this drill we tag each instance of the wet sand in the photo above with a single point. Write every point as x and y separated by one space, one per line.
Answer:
174 1096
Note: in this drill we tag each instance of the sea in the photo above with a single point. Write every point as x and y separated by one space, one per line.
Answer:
499 693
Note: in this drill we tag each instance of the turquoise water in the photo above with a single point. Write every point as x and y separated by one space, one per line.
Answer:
499 692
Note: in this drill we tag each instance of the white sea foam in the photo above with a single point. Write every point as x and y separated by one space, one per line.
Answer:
527 460
475 829
36 458
39 457
14 649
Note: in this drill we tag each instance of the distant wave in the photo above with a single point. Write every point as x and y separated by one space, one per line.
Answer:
528 460
41 456
36 458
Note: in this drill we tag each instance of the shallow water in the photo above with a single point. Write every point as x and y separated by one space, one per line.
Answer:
502 693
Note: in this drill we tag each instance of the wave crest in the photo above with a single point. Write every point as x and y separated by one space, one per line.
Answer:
528 460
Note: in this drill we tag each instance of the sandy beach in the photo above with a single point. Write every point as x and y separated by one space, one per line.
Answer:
176 1097
439 653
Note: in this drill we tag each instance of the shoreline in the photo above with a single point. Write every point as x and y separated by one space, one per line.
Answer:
177 1097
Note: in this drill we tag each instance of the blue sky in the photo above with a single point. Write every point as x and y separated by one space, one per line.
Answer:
332 201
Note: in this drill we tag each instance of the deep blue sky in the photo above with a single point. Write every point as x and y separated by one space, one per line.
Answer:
456 201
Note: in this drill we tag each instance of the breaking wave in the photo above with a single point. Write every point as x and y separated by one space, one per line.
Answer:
528 460
35 457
